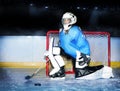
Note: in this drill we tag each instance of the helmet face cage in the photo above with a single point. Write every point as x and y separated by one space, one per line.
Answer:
64 19
71 16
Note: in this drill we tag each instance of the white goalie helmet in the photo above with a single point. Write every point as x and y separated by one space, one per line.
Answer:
72 17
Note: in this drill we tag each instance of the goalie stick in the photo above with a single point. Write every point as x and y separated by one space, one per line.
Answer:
50 51
32 75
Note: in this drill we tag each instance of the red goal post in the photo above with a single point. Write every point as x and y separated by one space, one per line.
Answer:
99 44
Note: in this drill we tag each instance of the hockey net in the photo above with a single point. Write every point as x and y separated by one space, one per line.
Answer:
99 45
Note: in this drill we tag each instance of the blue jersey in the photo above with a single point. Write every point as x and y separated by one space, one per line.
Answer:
74 41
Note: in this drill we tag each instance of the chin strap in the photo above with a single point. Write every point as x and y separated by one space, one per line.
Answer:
67 26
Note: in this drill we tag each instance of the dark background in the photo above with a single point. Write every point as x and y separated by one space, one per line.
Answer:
36 17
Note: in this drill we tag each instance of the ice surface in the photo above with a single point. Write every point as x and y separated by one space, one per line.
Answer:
13 80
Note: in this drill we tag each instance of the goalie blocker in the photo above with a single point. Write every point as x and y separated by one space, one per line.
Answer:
81 65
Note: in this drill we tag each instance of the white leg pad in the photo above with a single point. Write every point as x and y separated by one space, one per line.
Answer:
79 60
60 60
53 71
54 64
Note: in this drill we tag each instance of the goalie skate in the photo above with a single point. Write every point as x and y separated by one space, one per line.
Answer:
58 75
95 72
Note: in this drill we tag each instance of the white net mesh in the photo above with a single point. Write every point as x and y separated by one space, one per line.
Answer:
99 45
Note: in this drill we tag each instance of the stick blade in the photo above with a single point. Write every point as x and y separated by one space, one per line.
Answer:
27 77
